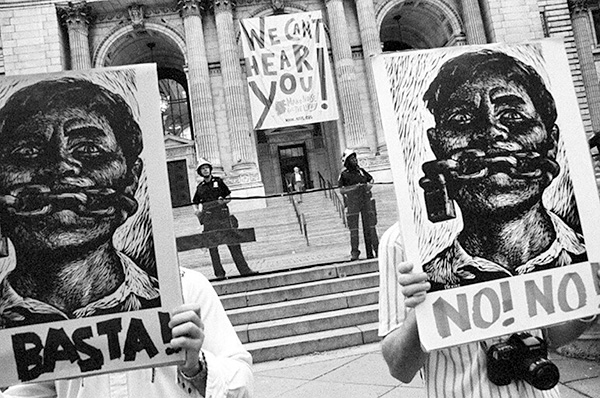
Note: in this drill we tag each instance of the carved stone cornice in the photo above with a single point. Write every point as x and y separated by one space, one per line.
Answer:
75 14
578 6
251 2
223 5
278 6
189 8
136 16
246 178
123 15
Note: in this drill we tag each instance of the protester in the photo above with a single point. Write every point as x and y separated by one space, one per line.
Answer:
459 371
210 206
355 185
69 169
495 109
216 365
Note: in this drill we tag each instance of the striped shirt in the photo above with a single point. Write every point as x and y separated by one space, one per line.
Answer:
455 372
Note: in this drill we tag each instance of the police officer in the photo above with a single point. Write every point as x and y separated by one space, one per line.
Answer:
210 206
355 184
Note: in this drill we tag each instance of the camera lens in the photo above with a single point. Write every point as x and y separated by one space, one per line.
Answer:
542 374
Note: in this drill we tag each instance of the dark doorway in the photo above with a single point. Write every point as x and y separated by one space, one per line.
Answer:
289 157
178 183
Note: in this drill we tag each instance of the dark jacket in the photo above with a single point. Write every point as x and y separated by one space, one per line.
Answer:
208 194
359 195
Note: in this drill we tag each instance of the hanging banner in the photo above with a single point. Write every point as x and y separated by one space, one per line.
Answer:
88 263
288 70
496 189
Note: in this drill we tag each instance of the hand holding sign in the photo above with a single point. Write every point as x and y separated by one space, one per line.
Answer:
414 286
188 334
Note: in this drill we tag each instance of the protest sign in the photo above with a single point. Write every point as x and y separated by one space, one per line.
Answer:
495 186
288 70
89 270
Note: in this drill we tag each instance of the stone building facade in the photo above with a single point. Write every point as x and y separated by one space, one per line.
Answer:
196 47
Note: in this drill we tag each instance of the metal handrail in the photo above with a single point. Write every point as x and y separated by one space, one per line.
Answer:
335 196
301 219
323 184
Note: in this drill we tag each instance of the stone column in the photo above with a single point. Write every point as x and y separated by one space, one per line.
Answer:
582 31
586 346
76 17
371 45
203 113
471 14
352 116
240 130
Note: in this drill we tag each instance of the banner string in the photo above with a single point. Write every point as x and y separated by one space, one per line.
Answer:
287 194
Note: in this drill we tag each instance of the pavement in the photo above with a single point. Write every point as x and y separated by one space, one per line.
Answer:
361 372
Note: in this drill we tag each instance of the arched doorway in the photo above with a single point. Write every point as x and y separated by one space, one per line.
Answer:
410 25
154 43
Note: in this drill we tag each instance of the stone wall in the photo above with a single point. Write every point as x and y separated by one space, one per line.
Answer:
32 39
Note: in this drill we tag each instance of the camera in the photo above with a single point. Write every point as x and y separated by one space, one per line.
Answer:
522 357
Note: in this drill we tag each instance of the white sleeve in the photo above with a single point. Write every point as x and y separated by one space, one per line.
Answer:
36 390
391 300
228 362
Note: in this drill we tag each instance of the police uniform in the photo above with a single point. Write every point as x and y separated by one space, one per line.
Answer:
358 202
216 216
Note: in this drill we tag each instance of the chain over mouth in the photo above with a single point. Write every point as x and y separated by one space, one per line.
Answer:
472 164
39 200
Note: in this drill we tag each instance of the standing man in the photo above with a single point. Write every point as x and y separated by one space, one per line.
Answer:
297 182
210 206
355 185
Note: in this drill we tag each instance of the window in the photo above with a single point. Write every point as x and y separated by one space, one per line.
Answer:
595 12
174 108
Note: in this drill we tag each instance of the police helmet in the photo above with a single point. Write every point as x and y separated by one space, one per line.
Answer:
346 154
203 162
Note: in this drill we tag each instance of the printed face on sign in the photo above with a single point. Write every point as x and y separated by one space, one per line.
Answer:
69 172
493 201
495 141
57 164
87 282
491 130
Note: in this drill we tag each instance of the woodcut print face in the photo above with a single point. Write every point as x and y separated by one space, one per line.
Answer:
69 175
495 119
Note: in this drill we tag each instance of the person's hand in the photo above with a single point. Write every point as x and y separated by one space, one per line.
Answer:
414 285
187 329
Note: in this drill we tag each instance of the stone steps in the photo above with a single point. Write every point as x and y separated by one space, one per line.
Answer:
294 277
294 292
309 305
297 312
272 350
306 324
